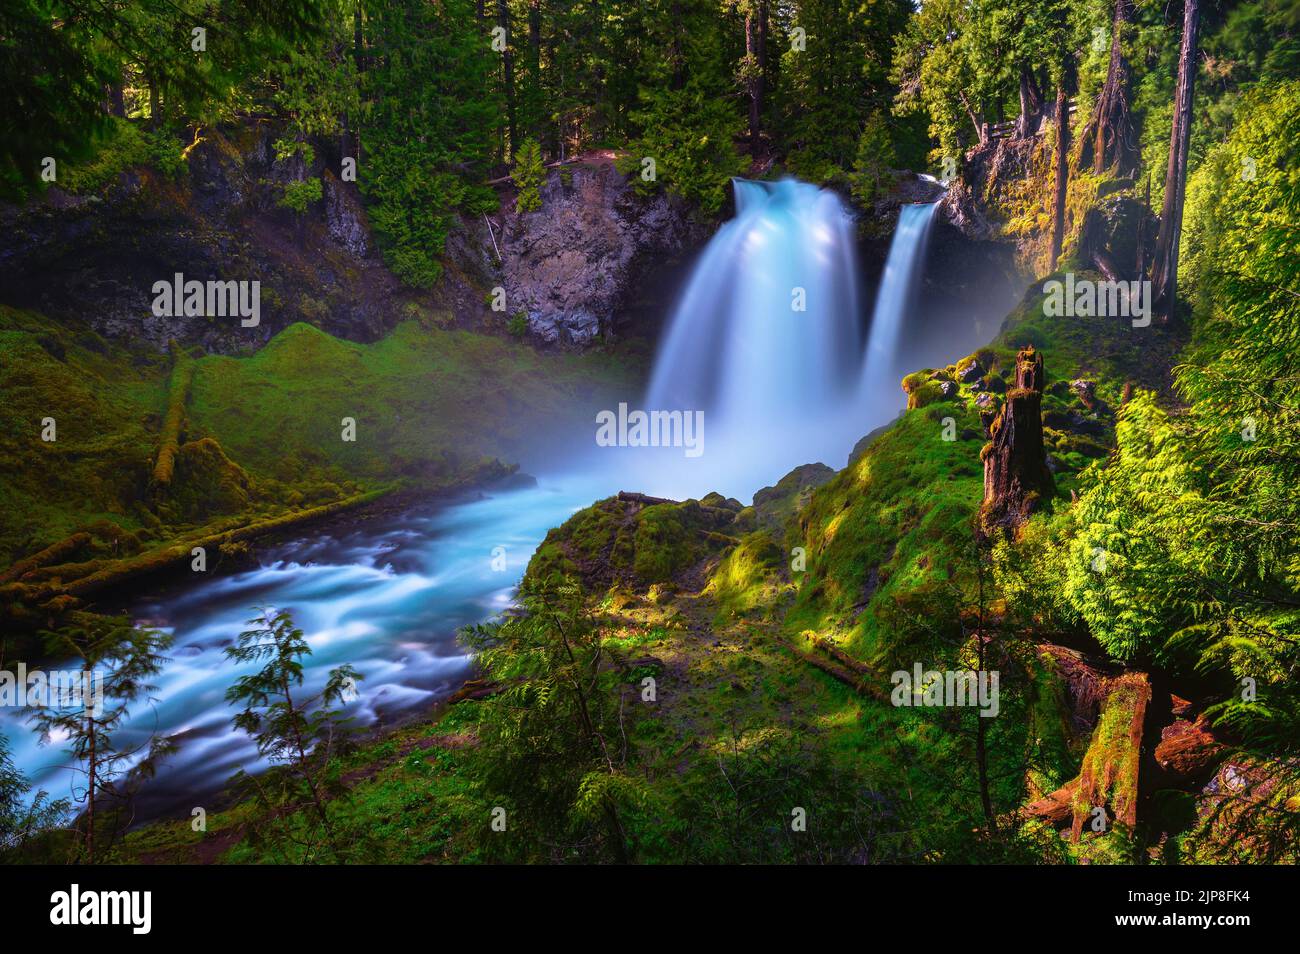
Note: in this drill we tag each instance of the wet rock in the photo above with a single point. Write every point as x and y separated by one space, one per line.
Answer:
570 266
344 217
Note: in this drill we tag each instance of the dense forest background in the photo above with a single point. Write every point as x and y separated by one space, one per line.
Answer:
433 100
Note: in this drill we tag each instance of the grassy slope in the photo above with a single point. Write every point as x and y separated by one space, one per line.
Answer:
429 405
106 402
424 400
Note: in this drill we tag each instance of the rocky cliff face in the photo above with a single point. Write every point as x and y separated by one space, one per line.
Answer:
94 258
572 268
575 269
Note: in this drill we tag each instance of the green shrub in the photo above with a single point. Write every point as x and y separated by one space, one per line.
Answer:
299 195
528 176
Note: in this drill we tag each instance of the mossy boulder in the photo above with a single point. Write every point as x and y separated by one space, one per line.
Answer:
775 506
932 392
635 540
206 483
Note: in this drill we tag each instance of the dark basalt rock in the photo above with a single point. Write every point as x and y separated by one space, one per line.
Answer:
572 267
93 259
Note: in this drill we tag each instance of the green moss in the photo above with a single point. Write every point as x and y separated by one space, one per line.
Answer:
427 403
931 392
125 145
616 541
890 524
431 407
178 391
105 402
207 484
749 576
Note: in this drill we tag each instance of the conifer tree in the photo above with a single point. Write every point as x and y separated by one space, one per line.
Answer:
298 733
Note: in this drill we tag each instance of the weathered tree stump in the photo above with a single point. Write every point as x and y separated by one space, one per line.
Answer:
1016 477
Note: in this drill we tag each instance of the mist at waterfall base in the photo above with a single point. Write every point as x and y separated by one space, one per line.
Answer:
778 386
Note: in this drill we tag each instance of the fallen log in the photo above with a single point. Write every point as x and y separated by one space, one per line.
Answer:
864 685
628 496
474 689
54 553
179 553
840 656
1056 808
169 440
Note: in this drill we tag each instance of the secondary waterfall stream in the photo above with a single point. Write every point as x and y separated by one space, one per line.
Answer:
882 368
769 340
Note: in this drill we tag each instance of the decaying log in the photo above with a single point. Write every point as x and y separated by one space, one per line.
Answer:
54 553
474 689
1108 778
1057 809
843 658
863 682
628 496
1188 751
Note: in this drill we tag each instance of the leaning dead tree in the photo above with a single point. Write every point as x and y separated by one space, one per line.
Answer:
1109 138
1164 272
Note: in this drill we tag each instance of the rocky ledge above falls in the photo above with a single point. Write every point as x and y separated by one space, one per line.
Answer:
572 268
92 258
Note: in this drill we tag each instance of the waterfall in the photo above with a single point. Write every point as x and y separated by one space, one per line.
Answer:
767 340
883 366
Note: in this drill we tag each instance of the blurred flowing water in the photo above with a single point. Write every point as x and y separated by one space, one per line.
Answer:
779 386
885 361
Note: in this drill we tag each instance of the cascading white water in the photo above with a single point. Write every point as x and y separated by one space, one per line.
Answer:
780 387
766 341
883 365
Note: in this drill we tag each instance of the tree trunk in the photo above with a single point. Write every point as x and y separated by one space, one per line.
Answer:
752 80
155 107
981 730
1031 104
92 782
1164 277
1016 477
1109 138
676 56
358 47
1062 163
115 100
508 77
762 52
